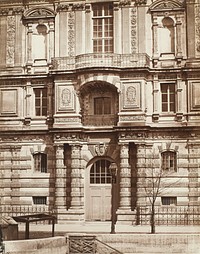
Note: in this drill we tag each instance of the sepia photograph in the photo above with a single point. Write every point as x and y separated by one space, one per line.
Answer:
99 126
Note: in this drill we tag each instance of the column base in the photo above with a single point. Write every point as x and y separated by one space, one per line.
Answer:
64 216
126 217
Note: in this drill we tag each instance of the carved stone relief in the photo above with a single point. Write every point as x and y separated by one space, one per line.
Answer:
65 98
71 33
131 95
197 28
133 30
10 47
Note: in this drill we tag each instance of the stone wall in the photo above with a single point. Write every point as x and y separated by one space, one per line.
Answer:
154 243
55 245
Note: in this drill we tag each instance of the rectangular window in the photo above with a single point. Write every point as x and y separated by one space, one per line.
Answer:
39 200
169 200
103 28
168 97
40 101
102 106
169 161
40 162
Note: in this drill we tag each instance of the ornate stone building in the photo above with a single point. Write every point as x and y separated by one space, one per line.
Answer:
87 83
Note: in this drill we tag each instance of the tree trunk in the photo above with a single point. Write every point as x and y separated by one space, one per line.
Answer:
153 219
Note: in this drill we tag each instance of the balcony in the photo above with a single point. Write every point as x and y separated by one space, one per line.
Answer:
99 120
100 60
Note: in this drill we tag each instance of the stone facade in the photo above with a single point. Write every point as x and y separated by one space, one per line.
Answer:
87 83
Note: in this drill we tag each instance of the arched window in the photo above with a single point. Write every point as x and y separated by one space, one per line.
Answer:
169 161
100 172
40 42
167 36
40 162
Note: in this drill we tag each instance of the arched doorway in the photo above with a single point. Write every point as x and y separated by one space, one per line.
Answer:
98 191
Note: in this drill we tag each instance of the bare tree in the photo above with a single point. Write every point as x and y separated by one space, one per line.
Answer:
157 182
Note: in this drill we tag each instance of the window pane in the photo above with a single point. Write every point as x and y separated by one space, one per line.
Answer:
107 106
102 176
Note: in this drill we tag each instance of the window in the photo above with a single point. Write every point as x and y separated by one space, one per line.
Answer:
169 200
168 97
103 28
39 200
40 162
100 172
102 106
40 101
169 161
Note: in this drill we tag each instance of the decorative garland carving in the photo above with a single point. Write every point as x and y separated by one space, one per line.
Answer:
10 47
139 2
197 27
71 33
71 7
133 30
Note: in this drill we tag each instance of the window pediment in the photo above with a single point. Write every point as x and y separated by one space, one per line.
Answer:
166 5
39 13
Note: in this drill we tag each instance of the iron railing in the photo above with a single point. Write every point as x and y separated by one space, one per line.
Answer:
13 211
101 60
99 120
89 244
171 215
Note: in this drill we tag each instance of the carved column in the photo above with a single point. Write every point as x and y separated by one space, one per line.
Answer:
28 105
156 100
178 36
88 29
124 213
125 178
60 181
117 29
155 37
51 40
76 178
141 166
179 113
29 43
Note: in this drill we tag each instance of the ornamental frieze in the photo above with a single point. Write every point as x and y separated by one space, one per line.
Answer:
70 7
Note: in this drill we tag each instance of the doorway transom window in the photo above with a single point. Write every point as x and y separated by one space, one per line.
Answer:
100 172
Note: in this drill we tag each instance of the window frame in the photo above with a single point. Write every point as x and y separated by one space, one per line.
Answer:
42 200
40 162
101 106
41 101
104 24
100 172
166 201
167 158
168 94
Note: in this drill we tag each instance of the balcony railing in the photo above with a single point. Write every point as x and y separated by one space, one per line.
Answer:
101 60
99 120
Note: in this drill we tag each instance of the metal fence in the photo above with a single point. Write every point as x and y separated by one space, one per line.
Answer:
12 211
181 215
